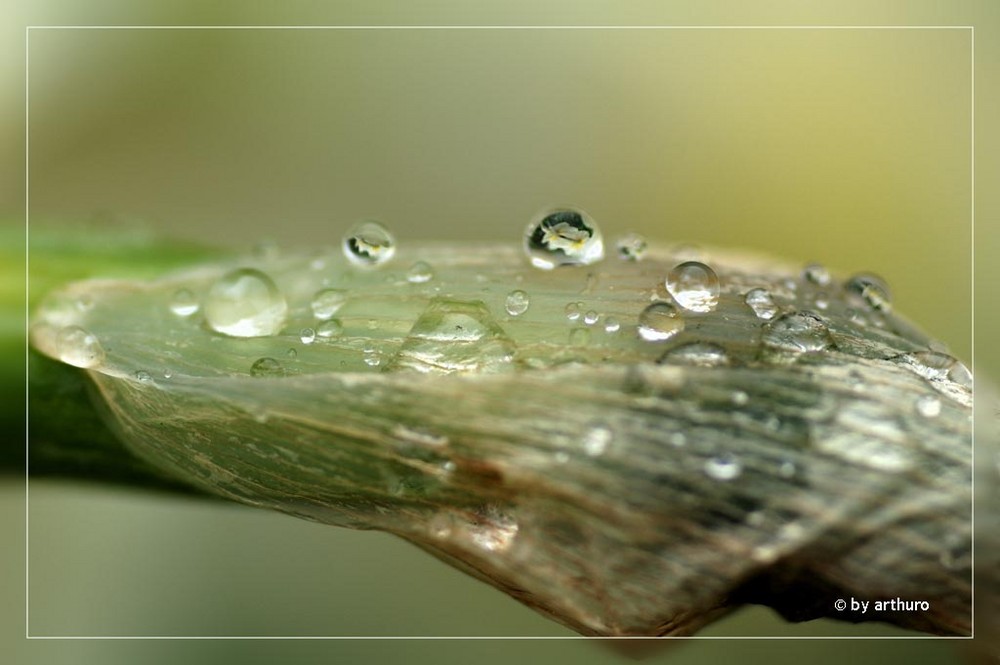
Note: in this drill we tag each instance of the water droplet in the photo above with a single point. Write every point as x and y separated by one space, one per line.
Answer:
961 375
579 337
821 301
816 274
167 373
517 302
786 470
455 336
79 348
573 310
723 467
761 303
563 237
869 291
739 398
590 318
694 286
705 354
368 243
631 247
267 367
245 303
328 302
797 331
938 366
677 439
307 335
928 406
419 273
597 439
292 353
331 328
372 356
611 325
183 303
659 321
143 376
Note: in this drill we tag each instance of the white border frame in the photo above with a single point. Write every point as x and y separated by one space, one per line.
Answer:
27 201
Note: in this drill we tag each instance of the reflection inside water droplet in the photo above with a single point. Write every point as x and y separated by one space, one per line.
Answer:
563 237
368 244
245 303
694 286
659 322
517 302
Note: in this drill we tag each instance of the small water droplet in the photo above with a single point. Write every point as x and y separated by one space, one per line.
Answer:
928 406
143 376
517 302
292 353
563 237
677 439
167 373
245 303
739 398
590 318
631 247
816 274
705 354
579 337
659 322
79 348
368 244
307 335
761 303
786 470
573 310
821 301
419 273
331 328
597 439
723 467
694 286
183 303
328 302
611 325
266 367
371 355
938 366
869 291
797 331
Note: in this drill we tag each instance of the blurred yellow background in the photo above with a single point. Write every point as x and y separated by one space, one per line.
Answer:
848 147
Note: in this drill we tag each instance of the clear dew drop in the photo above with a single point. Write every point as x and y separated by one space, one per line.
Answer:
704 354
573 310
869 291
371 355
245 303
168 373
292 354
591 317
307 335
266 367
631 247
612 325
761 303
797 331
368 244
938 366
659 322
183 303
142 376
328 302
420 273
694 286
597 439
517 302
723 467
814 273
328 329
563 237
928 406
79 348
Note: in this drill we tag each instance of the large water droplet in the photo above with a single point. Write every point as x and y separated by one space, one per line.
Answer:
797 331
368 243
517 302
328 302
869 291
79 348
705 354
267 367
631 247
761 303
723 467
455 336
245 303
659 322
816 274
694 286
563 237
420 272
184 303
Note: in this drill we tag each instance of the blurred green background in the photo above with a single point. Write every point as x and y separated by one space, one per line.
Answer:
849 147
